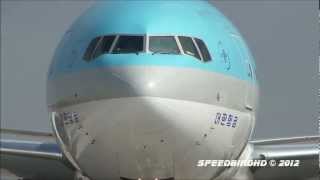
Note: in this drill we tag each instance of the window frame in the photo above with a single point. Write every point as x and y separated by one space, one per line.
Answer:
146 45
101 39
181 51
198 49
88 57
195 45
175 37
117 39
202 58
113 44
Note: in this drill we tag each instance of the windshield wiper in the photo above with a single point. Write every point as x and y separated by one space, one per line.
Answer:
126 52
164 52
131 52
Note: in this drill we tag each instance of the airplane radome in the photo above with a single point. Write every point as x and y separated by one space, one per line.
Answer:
146 89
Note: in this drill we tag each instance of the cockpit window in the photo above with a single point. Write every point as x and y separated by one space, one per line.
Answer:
98 46
123 44
90 49
203 49
188 47
128 44
163 45
103 46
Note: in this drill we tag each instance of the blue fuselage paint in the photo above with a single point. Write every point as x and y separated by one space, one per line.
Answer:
230 56
146 101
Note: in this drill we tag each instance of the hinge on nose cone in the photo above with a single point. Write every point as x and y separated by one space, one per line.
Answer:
248 107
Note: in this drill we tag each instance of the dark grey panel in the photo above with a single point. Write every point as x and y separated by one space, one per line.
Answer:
35 168
303 151
32 155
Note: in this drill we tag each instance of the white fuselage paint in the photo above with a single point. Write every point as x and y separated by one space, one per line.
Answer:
152 114
151 137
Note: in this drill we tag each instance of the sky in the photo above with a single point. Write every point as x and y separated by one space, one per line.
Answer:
282 35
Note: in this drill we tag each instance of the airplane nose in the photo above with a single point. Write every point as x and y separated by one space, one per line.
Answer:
141 121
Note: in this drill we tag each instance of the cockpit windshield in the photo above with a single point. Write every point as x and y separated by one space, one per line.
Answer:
189 47
128 44
203 49
125 44
103 46
163 45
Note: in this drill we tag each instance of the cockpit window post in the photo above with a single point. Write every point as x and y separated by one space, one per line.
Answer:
113 44
147 43
144 43
179 45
